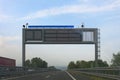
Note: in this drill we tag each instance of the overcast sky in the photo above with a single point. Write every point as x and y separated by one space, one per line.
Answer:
102 14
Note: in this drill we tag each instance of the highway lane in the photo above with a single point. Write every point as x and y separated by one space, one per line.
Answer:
52 75
79 76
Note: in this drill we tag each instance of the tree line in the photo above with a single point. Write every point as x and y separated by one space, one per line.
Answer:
86 64
36 63
115 61
39 63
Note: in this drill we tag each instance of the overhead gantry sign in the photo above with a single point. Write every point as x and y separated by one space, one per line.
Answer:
59 34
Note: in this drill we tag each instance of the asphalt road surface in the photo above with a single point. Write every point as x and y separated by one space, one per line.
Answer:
53 75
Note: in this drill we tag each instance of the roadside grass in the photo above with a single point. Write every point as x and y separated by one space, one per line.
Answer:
97 78
91 77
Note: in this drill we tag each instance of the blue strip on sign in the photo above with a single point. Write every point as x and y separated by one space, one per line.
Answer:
52 26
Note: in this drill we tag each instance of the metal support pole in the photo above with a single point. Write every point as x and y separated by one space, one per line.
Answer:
23 55
96 48
23 47
96 55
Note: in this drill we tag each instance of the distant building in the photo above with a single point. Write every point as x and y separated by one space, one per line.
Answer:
7 61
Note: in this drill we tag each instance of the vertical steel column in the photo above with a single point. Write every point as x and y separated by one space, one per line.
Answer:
96 48
96 55
23 47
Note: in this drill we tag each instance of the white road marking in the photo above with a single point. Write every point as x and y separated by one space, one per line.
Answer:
70 75
47 76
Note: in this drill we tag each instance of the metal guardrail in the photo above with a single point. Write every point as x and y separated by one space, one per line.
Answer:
17 71
106 72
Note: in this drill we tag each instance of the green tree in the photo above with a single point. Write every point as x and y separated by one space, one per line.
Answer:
102 63
78 64
86 64
116 59
27 63
91 64
44 64
36 63
71 65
